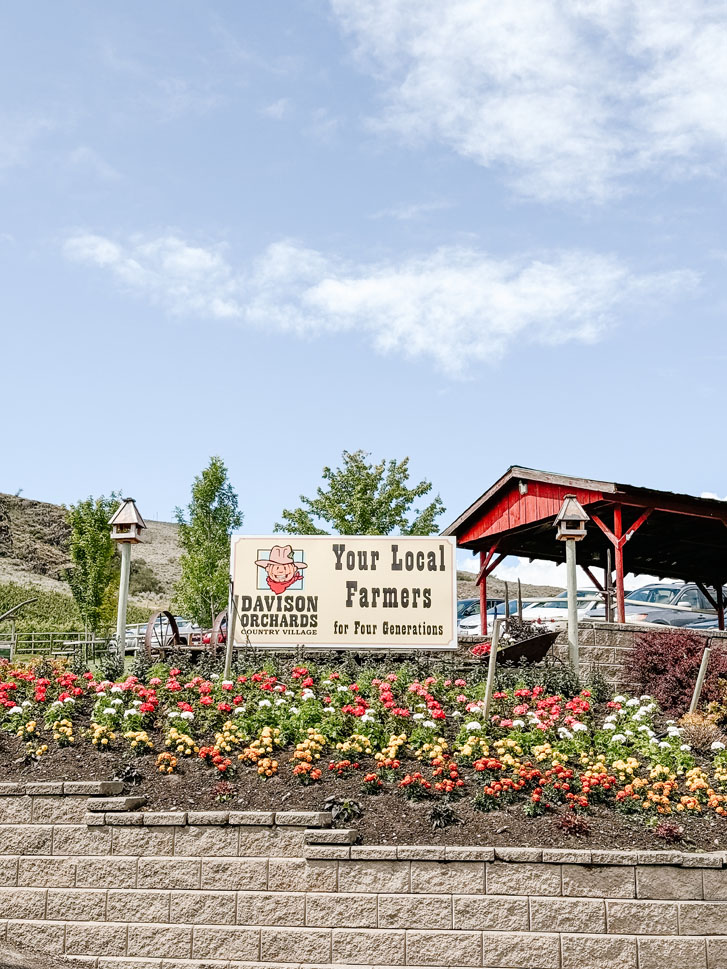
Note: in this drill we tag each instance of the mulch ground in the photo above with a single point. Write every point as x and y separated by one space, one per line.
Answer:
386 818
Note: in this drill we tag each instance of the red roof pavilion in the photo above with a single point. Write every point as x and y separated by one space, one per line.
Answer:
647 531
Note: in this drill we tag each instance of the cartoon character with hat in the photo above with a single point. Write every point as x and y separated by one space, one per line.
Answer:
282 570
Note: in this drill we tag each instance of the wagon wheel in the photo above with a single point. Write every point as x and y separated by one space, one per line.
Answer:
220 619
161 634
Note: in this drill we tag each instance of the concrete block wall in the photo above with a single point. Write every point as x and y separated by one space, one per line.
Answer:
87 880
604 646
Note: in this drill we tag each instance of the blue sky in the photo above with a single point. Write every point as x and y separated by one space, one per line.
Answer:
472 233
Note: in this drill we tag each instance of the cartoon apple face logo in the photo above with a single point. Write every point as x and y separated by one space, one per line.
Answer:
282 570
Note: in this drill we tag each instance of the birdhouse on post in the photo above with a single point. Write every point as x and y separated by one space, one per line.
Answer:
126 522
571 520
126 525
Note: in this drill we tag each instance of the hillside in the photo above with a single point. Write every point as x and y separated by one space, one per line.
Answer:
466 588
34 552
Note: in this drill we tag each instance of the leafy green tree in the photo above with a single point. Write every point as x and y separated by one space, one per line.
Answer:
204 534
362 498
92 556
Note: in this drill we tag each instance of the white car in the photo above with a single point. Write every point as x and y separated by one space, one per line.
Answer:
470 625
556 610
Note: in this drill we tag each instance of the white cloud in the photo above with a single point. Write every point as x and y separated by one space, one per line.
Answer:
569 95
88 159
413 210
456 306
278 109
17 137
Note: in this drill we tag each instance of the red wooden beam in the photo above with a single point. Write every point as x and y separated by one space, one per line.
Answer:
720 605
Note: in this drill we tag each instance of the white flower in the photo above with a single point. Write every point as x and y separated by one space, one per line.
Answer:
619 699
227 682
610 718
618 738
264 703
456 713
342 689
117 701
629 733
418 716
673 732
367 717
69 699
633 702
685 747
187 715
579 726
644 697
717 745
174 713
473 725
518 723
307 694
280 702
116 689
129 713
565 733
329 709
295 709
326 682
25 703
136 703
609 726
215 676
427 723
238 710
664 745
13 710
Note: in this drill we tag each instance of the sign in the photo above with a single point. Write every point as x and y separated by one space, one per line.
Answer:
368 591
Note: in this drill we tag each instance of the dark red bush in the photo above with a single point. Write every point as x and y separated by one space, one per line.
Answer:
665 664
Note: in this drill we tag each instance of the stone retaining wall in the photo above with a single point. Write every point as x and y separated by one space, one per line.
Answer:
90 880
605 645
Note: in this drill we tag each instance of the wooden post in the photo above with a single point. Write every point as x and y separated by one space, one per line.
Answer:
519 601
491 668
483 593
700 680
720 605
507 605
617 530
609 587
230 644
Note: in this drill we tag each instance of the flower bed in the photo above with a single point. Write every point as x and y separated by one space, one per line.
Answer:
412 747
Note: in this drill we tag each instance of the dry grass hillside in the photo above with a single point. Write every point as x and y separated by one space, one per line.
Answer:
34 551
466 588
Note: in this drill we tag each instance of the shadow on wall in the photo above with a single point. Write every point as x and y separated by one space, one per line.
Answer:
12 959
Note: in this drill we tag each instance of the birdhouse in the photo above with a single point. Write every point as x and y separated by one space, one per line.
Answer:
126 522
571 520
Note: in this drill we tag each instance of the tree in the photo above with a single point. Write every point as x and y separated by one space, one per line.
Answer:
362 498
92 556
204 534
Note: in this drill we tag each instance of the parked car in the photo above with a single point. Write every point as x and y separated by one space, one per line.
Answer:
669 604
470 625
471 607
556 610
